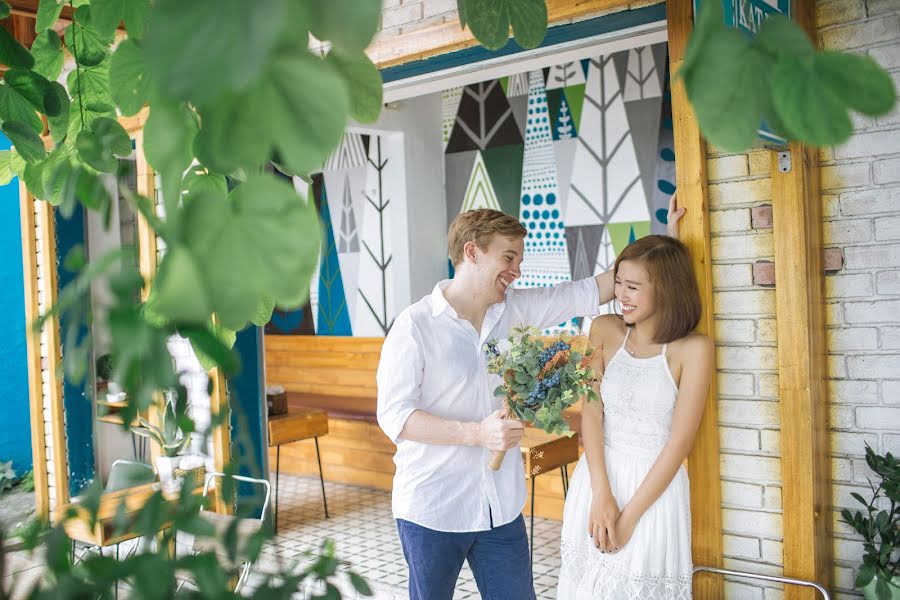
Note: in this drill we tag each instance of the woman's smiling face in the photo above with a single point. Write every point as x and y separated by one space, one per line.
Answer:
634 292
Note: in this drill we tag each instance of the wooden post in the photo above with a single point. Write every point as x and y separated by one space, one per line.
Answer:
33 349
802 347
691 179
45 219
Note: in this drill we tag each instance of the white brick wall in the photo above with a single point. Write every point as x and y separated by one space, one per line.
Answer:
859 185
747 371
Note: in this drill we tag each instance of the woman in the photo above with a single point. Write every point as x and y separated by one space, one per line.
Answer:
626 527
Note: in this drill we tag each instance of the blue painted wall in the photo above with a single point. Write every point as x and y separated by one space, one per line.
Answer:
79 414
15 426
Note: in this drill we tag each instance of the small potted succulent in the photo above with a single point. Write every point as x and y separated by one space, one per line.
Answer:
879 526
168 435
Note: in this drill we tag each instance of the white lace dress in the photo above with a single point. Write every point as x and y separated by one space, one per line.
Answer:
638 401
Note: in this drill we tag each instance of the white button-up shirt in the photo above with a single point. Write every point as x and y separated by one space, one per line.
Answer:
432 360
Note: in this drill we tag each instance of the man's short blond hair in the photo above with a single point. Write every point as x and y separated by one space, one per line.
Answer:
480 226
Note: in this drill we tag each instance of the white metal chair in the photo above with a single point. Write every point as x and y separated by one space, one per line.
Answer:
246 527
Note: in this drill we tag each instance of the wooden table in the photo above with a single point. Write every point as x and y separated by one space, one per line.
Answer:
542 452
294 426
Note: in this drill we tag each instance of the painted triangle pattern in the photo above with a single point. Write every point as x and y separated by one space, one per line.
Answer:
546 257
349 153
642 77
565 75
605 185
565 126
480 191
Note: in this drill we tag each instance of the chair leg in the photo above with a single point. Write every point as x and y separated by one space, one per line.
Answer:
277 471
531 532
321 476
564 474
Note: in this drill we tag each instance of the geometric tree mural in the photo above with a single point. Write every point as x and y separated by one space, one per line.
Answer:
581 152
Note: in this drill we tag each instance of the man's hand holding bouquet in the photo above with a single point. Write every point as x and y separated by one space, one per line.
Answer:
542 376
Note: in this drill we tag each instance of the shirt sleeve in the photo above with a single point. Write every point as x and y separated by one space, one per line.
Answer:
547 306
399 376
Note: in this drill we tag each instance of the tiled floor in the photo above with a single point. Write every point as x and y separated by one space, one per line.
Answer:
360 523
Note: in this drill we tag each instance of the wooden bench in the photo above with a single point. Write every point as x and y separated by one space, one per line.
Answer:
337 374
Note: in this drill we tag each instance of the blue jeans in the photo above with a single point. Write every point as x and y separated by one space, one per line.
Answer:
499 559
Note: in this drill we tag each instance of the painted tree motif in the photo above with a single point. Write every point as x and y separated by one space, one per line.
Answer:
546 257
565 75
565 128
641 78
484 119
449 106
605 180
332 317
517 85
348 236
375 314
480 191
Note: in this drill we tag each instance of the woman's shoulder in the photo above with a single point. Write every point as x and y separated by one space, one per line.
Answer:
606 326
692 344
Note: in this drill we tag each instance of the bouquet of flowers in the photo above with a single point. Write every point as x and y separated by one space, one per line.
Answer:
542 376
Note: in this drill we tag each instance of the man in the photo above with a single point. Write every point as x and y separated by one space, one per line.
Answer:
436 402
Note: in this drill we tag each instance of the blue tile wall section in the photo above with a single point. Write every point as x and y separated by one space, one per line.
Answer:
15 426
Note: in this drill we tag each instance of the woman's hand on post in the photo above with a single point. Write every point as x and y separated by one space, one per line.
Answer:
602 518
673 217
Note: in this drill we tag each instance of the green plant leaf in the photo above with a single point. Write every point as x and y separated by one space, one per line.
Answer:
35 89
225 54
303 124
128 82
263 312
725 91
212 345
12 53
86 44
32 175
178 297
6 167
168 140
99 146
47 14
781 36
858 81
364 84
260 242
809 111
199 182
92 83
349 24
48 54
710 19
28 144
59 124
490 21
109 13
4 9
14 107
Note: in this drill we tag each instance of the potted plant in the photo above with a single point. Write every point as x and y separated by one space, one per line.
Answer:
168 435
879 527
